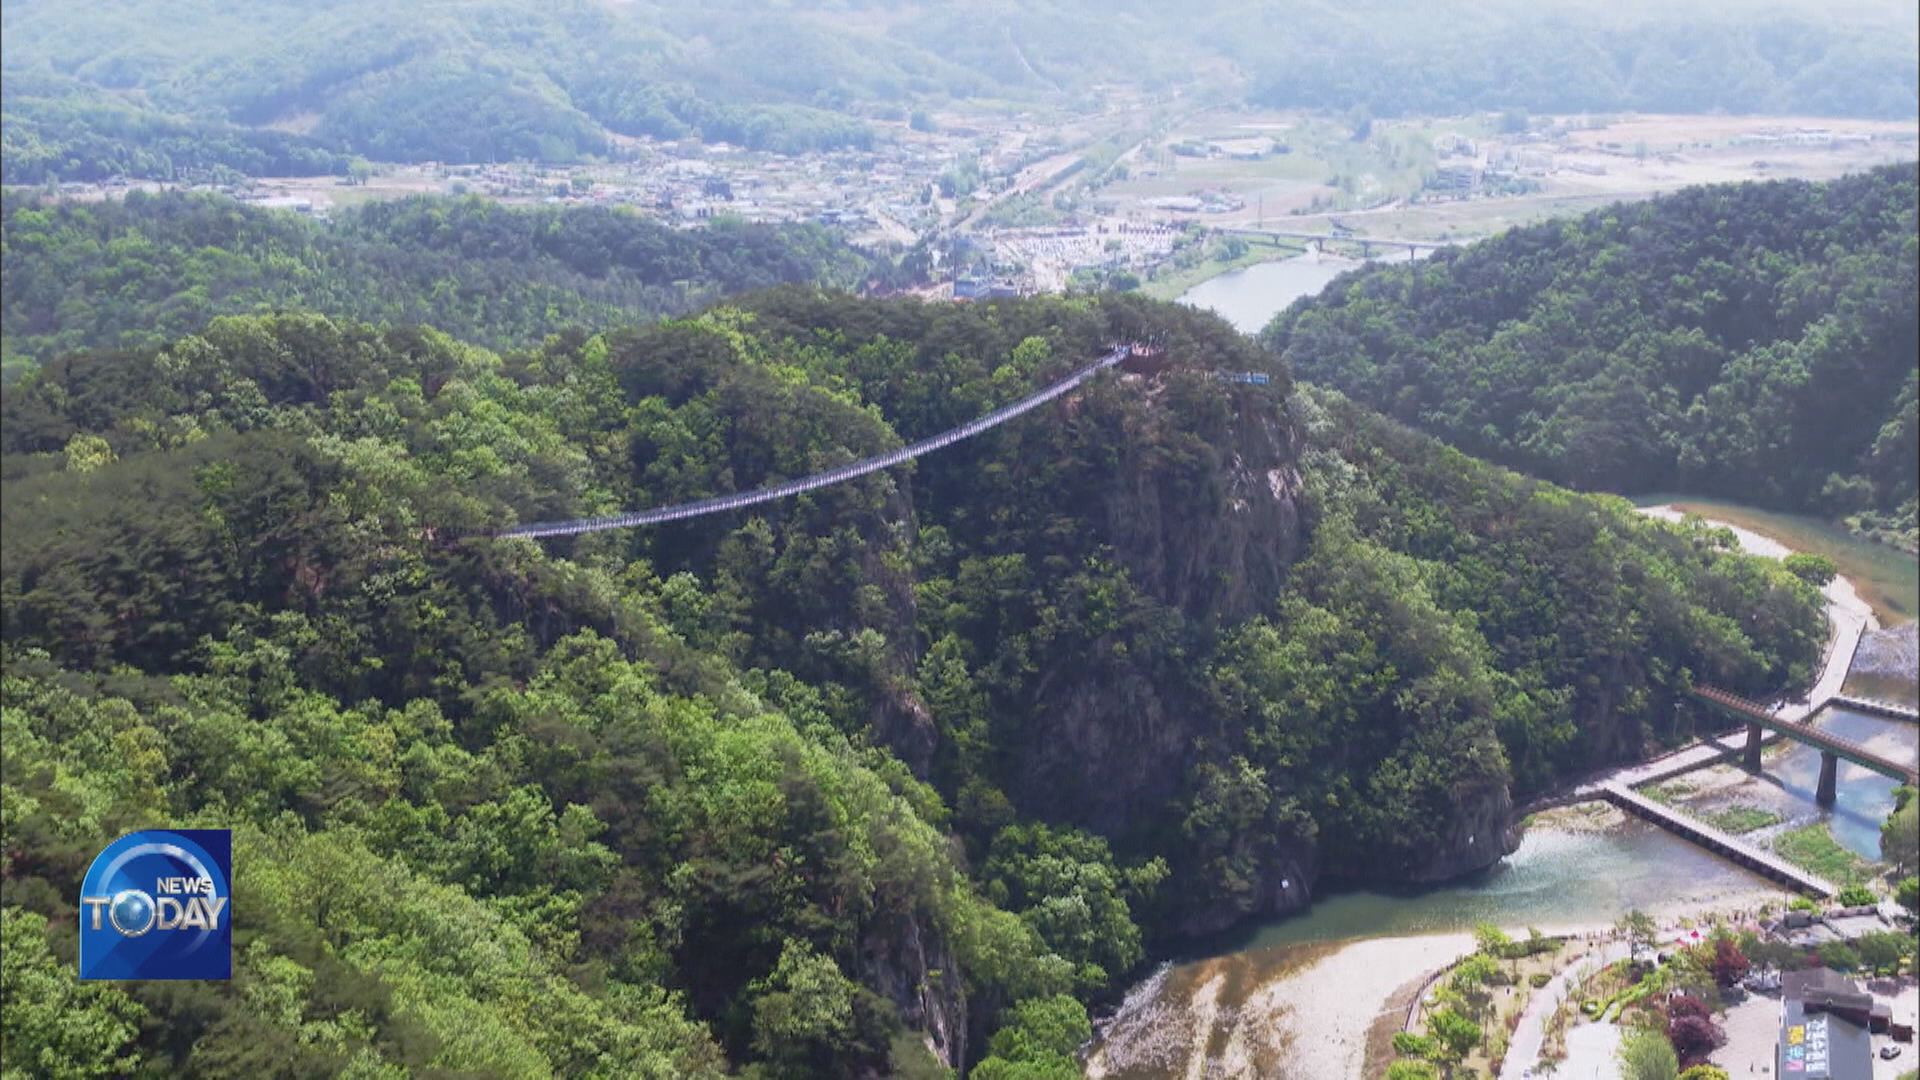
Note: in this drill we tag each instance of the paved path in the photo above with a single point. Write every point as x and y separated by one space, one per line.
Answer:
1710 750
1847 627
1523 1052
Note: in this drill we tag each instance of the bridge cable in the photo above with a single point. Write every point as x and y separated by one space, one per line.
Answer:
719 503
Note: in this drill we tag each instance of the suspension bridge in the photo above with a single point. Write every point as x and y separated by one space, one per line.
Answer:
721 503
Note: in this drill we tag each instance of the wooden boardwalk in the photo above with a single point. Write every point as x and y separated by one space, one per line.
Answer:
1765 863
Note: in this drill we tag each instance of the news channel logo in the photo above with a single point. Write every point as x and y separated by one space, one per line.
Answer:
156 904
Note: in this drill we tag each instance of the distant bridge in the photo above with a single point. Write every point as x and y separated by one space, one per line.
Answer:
1320 240
1833 749
720 503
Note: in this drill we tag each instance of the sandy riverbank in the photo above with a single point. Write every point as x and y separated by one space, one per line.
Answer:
1842 597
1329 1006
1306 1023
1311 1019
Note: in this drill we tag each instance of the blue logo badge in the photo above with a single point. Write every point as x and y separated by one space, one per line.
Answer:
154 905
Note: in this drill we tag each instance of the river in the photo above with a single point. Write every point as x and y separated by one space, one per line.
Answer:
1246 1007
1251 297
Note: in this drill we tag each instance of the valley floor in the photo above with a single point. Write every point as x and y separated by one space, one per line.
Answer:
1312 1014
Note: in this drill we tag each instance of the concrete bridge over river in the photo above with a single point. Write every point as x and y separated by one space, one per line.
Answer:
1763 726
1833 749
1319 241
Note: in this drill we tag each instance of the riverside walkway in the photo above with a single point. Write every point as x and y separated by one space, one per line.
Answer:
1530 1034
1761 862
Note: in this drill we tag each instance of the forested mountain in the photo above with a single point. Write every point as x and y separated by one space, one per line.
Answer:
133 88
56 126
151 268
1837 59
885 778
1754 341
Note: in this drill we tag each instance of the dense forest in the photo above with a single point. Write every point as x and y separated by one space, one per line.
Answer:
57 127
148 269
1753 341
894 777
126 88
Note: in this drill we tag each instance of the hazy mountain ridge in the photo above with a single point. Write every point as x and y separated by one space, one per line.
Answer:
508 79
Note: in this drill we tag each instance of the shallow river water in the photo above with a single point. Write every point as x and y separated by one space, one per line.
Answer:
1863 799
1251 297
1217 1002
1556 879
1224 1009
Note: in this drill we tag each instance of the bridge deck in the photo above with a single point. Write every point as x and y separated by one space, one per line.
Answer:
1753 858
1342 238
1844 749
722 503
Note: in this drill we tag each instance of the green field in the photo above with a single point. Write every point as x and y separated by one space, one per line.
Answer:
1740 819
1813 849
1885 577
1323 161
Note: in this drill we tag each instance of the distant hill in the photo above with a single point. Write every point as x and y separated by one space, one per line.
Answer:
154 267
142 88
1751 341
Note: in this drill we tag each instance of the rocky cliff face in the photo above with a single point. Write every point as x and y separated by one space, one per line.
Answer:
1282 885
1150 512
1481 832
911 966
1206 531
1210 532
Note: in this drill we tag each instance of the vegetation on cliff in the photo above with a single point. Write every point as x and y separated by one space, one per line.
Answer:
895 774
